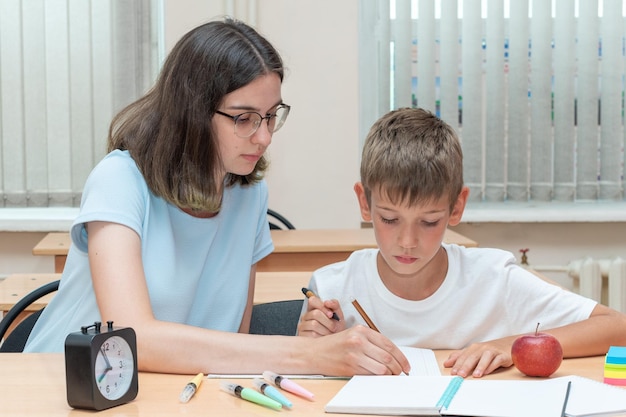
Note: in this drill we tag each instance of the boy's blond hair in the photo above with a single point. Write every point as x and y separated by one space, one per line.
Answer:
412 157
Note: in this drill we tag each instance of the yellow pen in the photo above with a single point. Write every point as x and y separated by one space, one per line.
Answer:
191 388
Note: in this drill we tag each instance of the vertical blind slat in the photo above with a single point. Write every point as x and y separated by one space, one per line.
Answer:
385 60
449 63
517 102
541 149
623 135
81 104
473 100
102 71
12 175
374 64
587 95
495 159
564 132
426 55
402 40
58 177
611 111
35 97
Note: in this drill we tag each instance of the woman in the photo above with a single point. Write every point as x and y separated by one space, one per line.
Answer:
173 222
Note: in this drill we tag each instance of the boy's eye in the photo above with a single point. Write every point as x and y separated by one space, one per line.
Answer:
431 224
387 221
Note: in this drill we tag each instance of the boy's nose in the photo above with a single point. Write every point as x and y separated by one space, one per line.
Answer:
408 237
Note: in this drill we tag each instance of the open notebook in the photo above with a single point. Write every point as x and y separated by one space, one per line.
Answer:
450 395
423 362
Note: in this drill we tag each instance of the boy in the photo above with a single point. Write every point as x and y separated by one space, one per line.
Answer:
422 292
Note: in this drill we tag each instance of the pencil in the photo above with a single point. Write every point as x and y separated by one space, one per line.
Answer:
363 314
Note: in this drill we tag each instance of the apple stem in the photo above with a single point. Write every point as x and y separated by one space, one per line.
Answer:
537 329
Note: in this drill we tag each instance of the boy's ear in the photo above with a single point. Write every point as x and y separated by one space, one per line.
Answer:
363 205
459 207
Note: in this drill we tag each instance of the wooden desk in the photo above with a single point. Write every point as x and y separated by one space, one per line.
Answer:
34 386
308 249
55 244
270 286
14 287
276 286
294 250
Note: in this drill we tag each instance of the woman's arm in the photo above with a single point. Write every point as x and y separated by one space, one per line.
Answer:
122 296
247 315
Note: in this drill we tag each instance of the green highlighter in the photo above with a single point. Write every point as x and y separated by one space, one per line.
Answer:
250 395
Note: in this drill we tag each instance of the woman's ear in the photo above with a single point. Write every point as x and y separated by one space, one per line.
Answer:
459 207
364 206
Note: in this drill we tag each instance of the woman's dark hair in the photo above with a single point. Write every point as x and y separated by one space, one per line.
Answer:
168 131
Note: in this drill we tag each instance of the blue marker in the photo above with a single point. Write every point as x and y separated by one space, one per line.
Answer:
271 392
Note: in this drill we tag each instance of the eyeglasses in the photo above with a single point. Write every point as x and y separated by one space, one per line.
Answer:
246 124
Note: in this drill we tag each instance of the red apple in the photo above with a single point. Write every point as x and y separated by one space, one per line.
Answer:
538 354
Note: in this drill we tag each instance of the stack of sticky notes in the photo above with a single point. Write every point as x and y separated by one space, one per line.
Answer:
615 366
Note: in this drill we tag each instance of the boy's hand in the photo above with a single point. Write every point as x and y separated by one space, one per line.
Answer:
480 359
319 319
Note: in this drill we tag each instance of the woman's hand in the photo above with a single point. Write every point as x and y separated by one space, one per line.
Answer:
359 350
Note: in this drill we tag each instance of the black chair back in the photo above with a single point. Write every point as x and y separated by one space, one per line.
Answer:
278 222
16 340
276 318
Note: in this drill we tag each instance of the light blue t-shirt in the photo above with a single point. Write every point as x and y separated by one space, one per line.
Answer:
197 270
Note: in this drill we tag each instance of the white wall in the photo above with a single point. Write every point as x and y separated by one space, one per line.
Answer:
315 156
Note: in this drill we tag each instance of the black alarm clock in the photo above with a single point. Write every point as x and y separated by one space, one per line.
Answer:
101 366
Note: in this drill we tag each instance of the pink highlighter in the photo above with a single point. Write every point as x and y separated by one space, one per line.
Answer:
287 384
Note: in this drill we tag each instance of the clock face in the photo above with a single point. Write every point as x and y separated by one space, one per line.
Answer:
113 369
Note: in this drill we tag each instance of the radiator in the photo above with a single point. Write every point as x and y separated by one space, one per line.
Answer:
591 274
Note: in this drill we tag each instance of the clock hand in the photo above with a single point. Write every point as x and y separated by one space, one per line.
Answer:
108 368
106 359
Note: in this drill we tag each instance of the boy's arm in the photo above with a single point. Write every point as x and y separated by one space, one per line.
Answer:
605 327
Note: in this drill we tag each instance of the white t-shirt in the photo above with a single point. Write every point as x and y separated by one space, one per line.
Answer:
197 270
485 296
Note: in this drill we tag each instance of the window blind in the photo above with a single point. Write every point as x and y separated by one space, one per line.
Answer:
535 89
66 67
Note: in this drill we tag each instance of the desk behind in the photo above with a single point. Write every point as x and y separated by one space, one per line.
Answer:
270 286
294 250
309 249
36 387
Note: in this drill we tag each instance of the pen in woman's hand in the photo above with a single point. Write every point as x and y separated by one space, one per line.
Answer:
310 294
